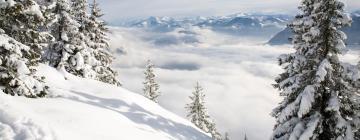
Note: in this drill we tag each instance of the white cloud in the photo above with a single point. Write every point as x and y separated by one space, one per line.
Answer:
237 78
236 74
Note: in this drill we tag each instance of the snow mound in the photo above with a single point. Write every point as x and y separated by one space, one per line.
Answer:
86 109
13 125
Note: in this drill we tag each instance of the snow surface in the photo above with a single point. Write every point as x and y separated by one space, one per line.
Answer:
85 109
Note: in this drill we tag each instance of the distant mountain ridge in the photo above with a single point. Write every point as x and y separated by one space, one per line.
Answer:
352 32
247 24
236 24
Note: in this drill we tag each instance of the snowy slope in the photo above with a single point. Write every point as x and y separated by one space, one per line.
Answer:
83 109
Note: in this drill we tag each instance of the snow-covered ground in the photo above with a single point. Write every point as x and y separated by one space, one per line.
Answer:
81 109
237 74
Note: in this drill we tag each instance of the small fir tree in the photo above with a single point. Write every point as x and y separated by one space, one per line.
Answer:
198 114
197 111
151 88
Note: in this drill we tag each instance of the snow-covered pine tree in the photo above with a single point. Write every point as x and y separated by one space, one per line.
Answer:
317 103
20 48
69 51
352 73
80 45
198 113
151 88
64 29
89 56
22 21
17 72
97 33
46 7
352 76
21 45
79 11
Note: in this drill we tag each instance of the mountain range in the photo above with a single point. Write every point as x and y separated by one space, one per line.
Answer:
268 27
237 24
352 32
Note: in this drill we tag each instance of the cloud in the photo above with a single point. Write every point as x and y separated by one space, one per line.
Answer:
237 78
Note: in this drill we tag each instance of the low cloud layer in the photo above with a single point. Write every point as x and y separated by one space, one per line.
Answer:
237 76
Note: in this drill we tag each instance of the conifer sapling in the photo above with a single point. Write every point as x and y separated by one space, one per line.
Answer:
151 88
198 113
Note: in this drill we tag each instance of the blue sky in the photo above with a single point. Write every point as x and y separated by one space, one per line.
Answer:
117 10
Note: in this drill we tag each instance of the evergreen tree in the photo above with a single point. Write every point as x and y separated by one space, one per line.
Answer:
68 52
352 76
97 33
20 48
46 7
79 14
318 103
150 86
198 114
17 73
79 11
80 45
197 111
22 20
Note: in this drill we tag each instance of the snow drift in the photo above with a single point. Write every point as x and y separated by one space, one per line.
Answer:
87 109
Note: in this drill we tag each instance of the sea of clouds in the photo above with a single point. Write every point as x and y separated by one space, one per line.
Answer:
237 74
